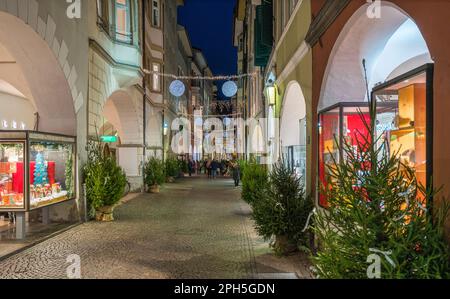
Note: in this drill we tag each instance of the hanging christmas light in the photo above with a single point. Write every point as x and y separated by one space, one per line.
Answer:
229 89
177 88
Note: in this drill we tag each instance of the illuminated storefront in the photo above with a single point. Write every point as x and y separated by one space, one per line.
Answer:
404 114
37 170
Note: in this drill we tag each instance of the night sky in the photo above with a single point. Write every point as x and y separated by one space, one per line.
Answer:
210 27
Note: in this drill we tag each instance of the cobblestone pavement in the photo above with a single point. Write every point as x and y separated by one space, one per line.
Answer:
194 229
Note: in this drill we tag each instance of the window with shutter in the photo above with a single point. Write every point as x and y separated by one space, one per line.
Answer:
263 33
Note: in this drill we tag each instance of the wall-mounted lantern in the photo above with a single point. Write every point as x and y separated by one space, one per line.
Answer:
271 93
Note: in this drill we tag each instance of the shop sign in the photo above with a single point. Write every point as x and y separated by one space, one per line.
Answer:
109 139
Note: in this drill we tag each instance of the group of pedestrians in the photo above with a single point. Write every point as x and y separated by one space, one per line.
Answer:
213 168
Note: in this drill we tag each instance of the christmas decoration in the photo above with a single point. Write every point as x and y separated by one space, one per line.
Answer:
177 88
40 170
229 89
207 78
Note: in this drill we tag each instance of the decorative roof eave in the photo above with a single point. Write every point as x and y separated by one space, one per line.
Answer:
327 15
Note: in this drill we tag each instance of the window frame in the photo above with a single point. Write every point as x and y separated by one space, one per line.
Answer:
158 9
128 36
103 14
154 76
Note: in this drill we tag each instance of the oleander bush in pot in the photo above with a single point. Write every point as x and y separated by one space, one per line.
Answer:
154 174
104 180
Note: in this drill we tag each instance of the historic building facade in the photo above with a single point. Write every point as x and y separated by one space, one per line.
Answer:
254 48
288 76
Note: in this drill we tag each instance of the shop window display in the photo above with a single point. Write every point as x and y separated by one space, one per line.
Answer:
401 125
11 175
407 135
329 124
36 170
50 173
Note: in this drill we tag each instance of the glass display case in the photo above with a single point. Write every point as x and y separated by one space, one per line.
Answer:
411 132
403 111
36 170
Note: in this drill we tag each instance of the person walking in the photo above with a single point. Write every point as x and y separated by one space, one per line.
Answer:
214 167
190 167
198 167
209 168
236 173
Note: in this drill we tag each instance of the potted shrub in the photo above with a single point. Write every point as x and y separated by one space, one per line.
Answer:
154 174
281 210
184 167
105 182
172 169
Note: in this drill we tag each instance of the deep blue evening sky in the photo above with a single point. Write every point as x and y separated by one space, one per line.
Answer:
210 27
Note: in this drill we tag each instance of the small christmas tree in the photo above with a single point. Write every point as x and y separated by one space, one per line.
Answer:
379 213
40 171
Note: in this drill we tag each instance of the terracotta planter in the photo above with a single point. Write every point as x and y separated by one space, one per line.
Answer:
105 214
284 246
153 189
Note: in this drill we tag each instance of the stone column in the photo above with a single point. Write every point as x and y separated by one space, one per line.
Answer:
20 225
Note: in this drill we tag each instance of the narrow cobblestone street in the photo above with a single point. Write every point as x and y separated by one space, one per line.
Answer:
194 228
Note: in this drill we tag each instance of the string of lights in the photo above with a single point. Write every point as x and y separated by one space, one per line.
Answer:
210 115
206 78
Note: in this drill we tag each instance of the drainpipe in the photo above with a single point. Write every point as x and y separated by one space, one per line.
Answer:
163 136
144 85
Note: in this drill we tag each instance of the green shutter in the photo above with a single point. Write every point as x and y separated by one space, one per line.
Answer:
267 23
263 33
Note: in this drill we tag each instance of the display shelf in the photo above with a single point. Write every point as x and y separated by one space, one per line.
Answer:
402 132
57 198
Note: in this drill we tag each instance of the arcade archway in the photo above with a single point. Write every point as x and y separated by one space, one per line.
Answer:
293 128
121 117
29 66
391 45
398 64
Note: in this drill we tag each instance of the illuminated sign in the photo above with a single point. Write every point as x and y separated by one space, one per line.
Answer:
109 139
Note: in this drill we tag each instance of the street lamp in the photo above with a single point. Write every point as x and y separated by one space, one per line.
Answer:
271 92
166 129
